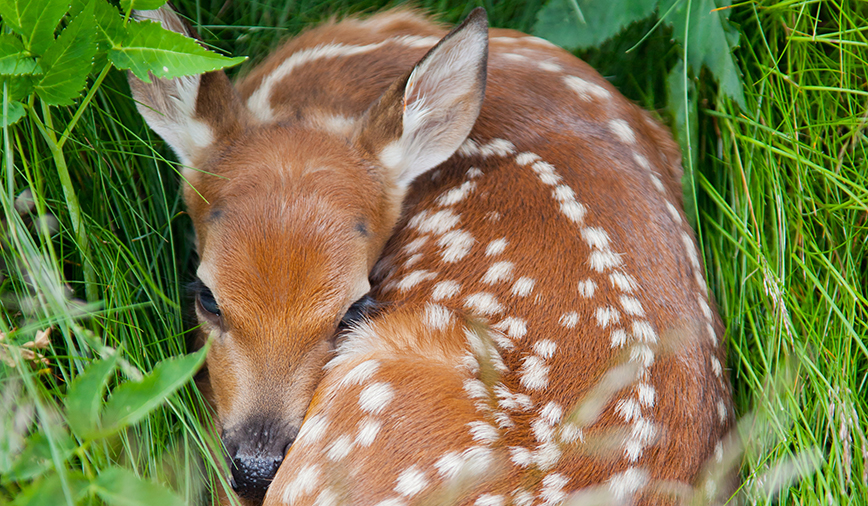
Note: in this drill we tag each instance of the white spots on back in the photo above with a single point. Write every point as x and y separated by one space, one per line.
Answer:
553 488
312 430
484 303
523 287
547 174
587 91
596 238
569 320
438 223
516 328
534 373
340 448
676 216
414 278
631 306
368 430
445 290
455 245
622 130
411 482
545 348
496 246
526 158
489 500
375 397
359 374
495 147
549 66
587 288
455 195
607 316
437 317
626 484
304 483
520 456
498 272
622 281
483 432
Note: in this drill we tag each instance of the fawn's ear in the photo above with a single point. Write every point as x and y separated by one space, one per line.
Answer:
189 112
424 117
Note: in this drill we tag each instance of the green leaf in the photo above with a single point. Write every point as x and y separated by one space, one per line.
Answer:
709 41
133 400
120 487
14 58
67 62
85 395
34 20
166 54
49 490
110 31
142 5
560 21
37 458
15 113
684 108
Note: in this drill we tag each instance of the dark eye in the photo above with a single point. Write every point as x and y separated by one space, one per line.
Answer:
206 300
359 309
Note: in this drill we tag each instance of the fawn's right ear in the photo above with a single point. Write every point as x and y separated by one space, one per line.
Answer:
190 112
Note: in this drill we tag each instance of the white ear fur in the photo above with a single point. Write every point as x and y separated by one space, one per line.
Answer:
442 100
169 105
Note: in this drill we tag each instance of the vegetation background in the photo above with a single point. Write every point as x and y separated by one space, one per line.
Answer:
96 246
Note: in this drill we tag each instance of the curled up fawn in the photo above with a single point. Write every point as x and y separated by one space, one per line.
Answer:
443 269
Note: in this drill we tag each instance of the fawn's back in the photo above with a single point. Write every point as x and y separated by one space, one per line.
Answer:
543 327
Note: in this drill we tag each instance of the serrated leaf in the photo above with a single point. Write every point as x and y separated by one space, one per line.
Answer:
684 108
85 395
120 487
15 113
166 54
709 42
49 490
109 22
37 457
142 5
34 20
133 400
560 20
15 60
67 63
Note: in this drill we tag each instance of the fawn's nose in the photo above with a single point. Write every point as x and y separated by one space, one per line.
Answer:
256 449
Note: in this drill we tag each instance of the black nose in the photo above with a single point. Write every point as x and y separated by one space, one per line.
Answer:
256 449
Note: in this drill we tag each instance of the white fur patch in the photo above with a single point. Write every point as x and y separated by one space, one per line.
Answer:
496 246
498 272
523 287
455 245
622 130
305 482
368 430
445 290
411 482
375 397
437 317
484 303
586 90
438 223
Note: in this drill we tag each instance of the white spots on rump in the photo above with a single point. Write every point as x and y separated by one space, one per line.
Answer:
455 245
484 303
305 482
523 286
587 91
411 481
498 272
375 397
496 246
445 290
622 130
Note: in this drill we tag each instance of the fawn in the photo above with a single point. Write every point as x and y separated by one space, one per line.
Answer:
516 226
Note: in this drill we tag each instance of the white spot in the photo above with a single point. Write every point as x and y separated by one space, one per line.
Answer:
414 245
715 366
563 193
587 288
619 338
549 66
450 465
646 394
622 281
603 260
526 158
706 311
499 271
520 456
515 57
622 129
483 432
691 250
632 306
440 222
569 320
606 316
340 448
499 147
489 500
553 488
643 331
445 290
676 216
375 397
456 245
468 148
628 409
475 389
359 374
327 497
574 211
711 333
503 420
534 373
523 286
496 246
657 183
718 452
542 431
552 413
484 303
312 430
437 317
547 455
473 173
721 411
413 260
392 501
515 328
411 482
641 161
414 278
165 69
457 194
521 497
337 124
305 482
643 355
624 485
368 430
392 155
586 90
545 348
596 238
569 433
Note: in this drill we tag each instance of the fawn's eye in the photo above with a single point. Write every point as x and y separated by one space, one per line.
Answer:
206 300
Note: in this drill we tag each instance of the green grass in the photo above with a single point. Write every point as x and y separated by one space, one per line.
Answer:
781 196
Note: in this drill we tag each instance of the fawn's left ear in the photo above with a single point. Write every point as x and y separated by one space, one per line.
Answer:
190 113
423 118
